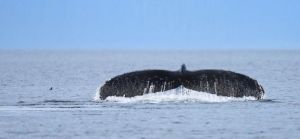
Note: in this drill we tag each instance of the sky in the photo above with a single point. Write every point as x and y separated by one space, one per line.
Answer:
157 24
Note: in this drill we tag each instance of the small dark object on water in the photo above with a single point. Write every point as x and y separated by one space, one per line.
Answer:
219 82
21 101
51 88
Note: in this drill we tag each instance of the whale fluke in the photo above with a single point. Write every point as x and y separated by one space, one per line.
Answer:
219 82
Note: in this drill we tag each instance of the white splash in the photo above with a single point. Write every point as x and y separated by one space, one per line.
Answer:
180 94
97 95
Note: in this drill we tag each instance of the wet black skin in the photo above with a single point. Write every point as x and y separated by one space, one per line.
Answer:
219 82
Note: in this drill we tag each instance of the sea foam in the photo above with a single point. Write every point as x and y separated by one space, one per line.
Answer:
180 94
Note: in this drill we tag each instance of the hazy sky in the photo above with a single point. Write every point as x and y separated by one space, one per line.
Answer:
149 24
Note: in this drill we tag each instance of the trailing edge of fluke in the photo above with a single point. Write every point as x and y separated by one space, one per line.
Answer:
219 82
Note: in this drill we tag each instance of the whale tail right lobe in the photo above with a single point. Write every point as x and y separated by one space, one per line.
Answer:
223 83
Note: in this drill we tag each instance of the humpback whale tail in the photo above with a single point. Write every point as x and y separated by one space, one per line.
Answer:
219 82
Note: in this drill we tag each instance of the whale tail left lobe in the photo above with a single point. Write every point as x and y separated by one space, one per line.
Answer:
139 83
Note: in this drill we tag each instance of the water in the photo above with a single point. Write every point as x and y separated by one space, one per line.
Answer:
30 109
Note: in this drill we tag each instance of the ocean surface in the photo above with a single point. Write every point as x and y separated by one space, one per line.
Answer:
53 94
